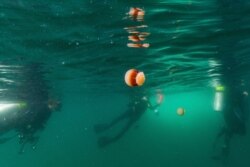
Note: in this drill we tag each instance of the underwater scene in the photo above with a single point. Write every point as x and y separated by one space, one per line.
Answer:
124 83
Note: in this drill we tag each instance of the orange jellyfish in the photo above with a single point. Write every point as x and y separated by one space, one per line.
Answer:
137 36
137 13
134 77
180 111
138 45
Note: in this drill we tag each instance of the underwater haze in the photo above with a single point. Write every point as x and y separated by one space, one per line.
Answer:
195 56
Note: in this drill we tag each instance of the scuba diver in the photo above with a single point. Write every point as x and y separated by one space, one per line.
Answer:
235 108
27 107
235 114
138 105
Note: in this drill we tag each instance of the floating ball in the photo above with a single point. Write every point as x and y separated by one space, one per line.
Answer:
180 111
134 77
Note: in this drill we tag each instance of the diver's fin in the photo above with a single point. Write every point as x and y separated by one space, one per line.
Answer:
100 128
21 150
220 159
103 141
6 139
216 157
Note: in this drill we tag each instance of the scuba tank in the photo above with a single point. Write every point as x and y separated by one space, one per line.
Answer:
219 98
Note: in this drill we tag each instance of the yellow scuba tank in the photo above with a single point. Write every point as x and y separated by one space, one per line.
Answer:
219 98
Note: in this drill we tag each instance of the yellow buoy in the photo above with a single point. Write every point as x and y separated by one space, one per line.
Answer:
180 111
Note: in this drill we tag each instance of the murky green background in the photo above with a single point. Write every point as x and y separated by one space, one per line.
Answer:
194 46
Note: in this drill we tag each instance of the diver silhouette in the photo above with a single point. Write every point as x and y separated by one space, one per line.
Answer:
235 115
138 105
236 110
29 106
39 105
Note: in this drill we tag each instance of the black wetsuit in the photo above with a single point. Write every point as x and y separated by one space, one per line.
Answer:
235 116
33 91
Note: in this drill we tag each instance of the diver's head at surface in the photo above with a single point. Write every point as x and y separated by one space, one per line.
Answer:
54 105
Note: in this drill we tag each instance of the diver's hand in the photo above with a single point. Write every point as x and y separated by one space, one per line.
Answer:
159 98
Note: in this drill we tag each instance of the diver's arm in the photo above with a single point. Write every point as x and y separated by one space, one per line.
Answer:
154 108
151 107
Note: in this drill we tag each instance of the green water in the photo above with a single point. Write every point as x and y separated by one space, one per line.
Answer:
82 47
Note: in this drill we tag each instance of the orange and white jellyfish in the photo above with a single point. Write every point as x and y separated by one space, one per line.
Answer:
137 36
134 77
136 13
138 45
